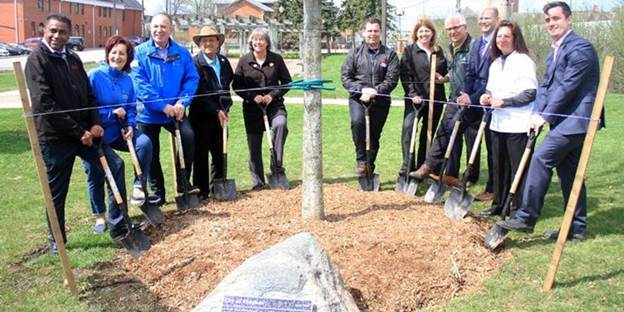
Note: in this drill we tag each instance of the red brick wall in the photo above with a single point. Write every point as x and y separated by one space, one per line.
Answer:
90 22
243 8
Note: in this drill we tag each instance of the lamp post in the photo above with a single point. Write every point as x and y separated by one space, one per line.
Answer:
400 14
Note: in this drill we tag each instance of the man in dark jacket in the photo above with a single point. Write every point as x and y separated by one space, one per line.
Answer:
67 120
370 71
208 113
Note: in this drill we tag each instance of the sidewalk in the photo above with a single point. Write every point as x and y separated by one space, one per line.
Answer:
11 99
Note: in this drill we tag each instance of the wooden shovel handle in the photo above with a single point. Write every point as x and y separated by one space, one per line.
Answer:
432 77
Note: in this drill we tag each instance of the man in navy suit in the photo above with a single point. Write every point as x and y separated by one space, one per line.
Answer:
569 88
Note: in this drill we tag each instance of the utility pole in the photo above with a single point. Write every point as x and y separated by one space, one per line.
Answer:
384 21
507 14
458 6
312 172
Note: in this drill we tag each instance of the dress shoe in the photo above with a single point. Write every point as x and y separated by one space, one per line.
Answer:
258 187
515 225
554 235
485 196
490 212
192 190
360 169
446 180
422 172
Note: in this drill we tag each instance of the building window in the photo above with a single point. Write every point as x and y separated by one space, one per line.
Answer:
49 6
100 30
123 16
99 11
33 28
40 5
84 34
110 30
81 9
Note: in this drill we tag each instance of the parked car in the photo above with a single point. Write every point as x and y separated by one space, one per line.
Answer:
12 50
32 42
21 48
75 43
136 40
4 52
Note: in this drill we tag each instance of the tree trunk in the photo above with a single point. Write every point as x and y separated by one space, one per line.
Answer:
312 172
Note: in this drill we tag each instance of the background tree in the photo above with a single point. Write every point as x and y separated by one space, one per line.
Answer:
353 13
292 10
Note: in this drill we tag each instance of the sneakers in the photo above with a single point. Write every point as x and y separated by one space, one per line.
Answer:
422 172
53 251
138 196
485 196
100 225
554 235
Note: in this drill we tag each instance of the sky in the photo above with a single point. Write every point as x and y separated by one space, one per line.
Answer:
437 8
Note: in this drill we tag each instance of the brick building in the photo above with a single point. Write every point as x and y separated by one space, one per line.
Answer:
95 20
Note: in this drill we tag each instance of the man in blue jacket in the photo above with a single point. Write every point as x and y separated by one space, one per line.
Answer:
165 81
569 88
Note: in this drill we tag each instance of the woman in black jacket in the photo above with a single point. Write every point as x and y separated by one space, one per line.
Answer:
415 72
259 69
208 113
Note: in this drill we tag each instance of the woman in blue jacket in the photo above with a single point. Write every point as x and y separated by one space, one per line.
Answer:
114 91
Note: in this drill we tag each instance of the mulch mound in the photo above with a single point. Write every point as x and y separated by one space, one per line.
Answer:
394 252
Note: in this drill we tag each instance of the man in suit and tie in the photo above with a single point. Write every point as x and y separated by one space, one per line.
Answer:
474 82
569 88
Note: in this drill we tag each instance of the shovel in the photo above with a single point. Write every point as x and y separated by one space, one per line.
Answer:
496 236
437 189
277 179
370 181
152 213
135 241
405 183
459 202
185 200
224 188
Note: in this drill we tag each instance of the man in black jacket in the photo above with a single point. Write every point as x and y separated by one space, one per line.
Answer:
67 119
208 113
371 69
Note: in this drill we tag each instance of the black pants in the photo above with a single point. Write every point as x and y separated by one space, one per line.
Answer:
208 139
468 128
279 129
506 152
378 112
157 180
406 134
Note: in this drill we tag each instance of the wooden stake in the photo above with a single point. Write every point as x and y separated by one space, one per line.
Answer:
432 78
43 179
580 172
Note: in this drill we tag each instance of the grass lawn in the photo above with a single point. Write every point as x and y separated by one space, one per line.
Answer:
590 277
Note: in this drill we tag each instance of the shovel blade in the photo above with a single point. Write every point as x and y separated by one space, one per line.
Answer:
136 243
495 237
406 185
435 193
152 213
278 181
225 189
369 184
186 201
458 204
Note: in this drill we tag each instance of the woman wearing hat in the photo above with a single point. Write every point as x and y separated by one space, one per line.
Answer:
209 112
266 70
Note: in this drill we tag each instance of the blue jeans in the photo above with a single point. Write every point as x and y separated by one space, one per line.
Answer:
59 160
95 181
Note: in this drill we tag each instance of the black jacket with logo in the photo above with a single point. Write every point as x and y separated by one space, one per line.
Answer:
55 85
208 84
359 71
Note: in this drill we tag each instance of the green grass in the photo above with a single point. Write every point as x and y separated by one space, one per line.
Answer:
590 277
7 78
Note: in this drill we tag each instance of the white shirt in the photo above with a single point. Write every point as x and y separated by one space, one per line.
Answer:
508 79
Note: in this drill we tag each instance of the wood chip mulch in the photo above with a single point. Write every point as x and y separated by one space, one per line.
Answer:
394 252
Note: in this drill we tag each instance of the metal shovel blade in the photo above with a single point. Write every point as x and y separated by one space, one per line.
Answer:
136 243
406 185
152 213
435 193
186 201
458 204
278 181
225 189
369 183
495 237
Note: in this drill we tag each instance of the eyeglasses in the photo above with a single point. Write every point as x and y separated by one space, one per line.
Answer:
455 27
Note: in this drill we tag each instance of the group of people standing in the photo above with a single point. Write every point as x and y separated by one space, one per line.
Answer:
75 112
492 79
80 114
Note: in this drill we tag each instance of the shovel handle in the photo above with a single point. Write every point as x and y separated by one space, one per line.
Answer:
179 147
172 149
433 65
109 178
267 129
225 136
133 156
367 120
523 161
449 148
477 142
414 129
